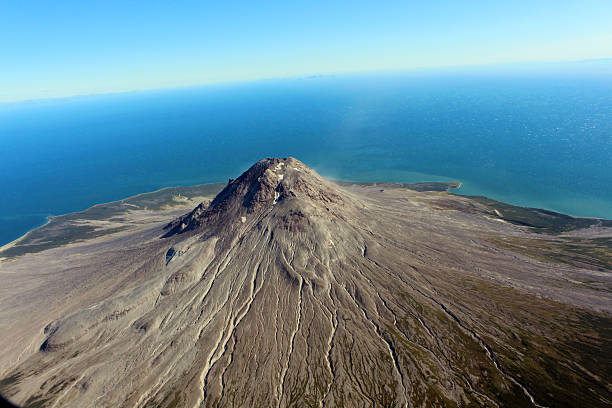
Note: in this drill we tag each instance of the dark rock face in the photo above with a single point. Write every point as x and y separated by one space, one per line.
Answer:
169 254
258 189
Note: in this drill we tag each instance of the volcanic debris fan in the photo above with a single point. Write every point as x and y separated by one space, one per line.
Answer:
287 290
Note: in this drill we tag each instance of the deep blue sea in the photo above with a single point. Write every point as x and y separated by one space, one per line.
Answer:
540 141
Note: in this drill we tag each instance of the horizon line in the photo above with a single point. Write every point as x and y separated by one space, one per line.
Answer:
294 76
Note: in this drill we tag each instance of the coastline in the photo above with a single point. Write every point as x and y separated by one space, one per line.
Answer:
471 189
50 218
84 224
9 244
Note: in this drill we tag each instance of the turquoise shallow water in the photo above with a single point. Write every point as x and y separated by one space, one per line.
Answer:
535 141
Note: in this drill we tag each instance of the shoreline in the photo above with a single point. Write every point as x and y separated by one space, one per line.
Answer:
49 218
449 187
12 243
530 207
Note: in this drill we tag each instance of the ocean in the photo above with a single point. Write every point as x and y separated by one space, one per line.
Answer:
539 141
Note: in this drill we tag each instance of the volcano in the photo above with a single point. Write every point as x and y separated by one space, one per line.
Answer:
290 290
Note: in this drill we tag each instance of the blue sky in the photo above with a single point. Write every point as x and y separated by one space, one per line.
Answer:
51 49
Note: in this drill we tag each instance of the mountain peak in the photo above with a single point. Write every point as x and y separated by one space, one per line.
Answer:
266 184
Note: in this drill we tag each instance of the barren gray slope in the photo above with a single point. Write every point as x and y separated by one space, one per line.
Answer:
288 290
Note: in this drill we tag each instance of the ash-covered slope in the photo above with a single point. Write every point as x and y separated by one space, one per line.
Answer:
257 191
287 290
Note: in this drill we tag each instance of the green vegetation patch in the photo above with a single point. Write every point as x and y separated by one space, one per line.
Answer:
36 401
7 384
428 186
561 353
68 235
69 228
541 221
594 253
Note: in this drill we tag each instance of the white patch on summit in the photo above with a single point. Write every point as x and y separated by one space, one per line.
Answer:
278 166
280 177
243 219
276 195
